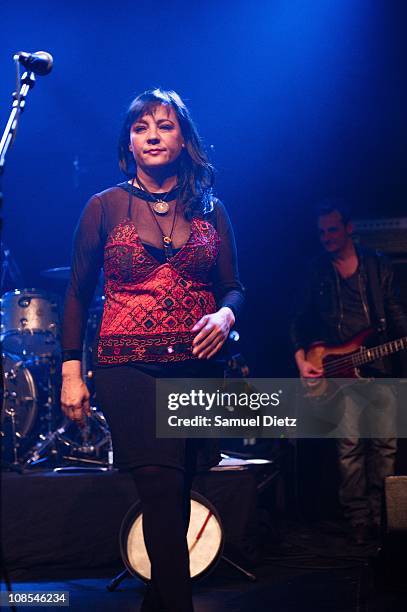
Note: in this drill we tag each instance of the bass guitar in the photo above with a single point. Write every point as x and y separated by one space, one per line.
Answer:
343 362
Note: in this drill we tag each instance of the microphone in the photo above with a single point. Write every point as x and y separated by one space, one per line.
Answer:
39 62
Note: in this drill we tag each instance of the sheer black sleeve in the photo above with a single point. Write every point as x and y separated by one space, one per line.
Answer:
87 258
228 289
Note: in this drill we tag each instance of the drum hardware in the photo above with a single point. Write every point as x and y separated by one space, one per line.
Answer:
45 443
86 441
89 444
81 442
205 543
30 418
32 358
63 273
46 377
19 408
11 413
10 273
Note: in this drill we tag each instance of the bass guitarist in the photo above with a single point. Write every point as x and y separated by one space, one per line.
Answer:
350 289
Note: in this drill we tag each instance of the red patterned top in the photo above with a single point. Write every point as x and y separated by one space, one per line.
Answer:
150 307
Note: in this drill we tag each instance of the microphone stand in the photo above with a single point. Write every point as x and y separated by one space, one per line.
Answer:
27 82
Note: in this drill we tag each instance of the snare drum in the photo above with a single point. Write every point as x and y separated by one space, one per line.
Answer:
30 323
205 539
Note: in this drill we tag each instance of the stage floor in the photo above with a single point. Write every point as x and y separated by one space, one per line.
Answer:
60 532
310 569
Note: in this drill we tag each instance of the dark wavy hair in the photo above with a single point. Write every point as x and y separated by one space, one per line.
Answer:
195 173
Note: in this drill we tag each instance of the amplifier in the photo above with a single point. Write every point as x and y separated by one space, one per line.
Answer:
395 488
388 235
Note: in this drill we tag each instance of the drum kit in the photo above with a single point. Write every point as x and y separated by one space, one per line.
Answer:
33 427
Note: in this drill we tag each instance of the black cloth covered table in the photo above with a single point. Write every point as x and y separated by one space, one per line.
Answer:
60 524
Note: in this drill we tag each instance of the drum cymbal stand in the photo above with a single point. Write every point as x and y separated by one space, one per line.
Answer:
10 272
10 414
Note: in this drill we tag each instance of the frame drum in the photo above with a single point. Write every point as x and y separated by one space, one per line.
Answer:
205 539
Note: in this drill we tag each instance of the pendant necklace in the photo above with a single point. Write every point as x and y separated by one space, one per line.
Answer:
166 238
160 206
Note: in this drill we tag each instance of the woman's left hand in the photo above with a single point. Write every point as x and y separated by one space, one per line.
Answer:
213 330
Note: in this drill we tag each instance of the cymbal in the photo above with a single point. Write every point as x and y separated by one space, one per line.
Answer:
62 273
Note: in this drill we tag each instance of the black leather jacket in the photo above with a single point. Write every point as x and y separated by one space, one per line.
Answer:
321 313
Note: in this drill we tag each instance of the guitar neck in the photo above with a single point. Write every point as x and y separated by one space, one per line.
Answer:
367 355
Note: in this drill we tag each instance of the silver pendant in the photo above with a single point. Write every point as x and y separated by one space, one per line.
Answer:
160 207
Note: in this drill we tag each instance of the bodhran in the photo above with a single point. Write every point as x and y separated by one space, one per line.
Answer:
30 323
205 539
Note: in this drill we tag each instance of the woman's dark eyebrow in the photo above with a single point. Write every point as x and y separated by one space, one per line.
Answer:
144 122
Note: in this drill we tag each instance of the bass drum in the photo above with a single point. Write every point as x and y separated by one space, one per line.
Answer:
205 539
20 402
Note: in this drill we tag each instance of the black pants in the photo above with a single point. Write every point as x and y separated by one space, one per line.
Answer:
163 470
364 462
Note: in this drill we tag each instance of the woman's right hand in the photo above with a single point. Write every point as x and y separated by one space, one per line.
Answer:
74 394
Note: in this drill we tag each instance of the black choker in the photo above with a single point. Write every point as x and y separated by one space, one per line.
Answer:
159 200
153 197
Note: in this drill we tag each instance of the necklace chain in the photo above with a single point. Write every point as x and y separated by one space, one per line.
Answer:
166 239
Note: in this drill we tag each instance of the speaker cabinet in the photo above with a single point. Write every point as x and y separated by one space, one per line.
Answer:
395 490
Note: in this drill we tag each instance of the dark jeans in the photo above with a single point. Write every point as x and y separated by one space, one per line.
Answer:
364 462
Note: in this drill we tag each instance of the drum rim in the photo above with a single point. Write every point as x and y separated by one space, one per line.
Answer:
18 290
32 387
135 510
44 293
